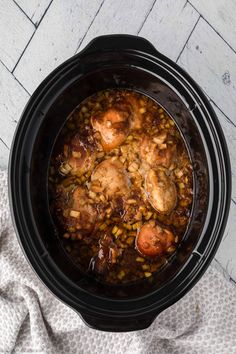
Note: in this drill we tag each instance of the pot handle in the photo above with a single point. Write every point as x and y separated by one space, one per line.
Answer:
119 42
118 324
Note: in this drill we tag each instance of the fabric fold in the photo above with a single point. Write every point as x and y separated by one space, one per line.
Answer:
33 320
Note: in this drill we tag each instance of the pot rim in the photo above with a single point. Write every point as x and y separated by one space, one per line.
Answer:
199 261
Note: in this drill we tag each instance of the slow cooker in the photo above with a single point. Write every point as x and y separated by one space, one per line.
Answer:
130 62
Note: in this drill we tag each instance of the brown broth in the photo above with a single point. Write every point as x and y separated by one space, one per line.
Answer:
99 191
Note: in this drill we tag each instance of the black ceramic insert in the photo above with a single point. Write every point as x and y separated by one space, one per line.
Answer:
118 61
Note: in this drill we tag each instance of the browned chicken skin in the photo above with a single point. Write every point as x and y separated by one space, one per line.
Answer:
79 157
77 211
157 152
110 178
115 123
137 117
161 191
81 204
113 126
153 240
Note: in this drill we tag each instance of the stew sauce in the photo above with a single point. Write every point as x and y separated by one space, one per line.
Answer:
121 186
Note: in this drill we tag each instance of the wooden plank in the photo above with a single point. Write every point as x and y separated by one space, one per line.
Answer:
12 101
227 250
169 25
123 16
4 155
221 15
35 9
16 30
211 62
230 135
55 40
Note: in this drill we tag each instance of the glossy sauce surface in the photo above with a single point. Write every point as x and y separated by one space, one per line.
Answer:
121 186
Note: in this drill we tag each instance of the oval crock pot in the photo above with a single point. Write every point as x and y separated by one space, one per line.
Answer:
130 62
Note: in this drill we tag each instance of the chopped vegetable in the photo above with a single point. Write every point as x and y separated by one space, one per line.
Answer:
74 213
121 186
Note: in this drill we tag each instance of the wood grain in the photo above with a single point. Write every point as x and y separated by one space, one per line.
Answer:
221 15
15 32
35 9
12 101
169 25
211 62
227 250
230 136
123 16
56 39
4 155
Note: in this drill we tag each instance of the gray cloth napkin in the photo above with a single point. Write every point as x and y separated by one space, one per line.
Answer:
33 320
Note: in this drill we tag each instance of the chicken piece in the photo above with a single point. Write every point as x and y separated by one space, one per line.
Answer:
107 255
79 157
157 153
87 216
76 210
110 178
161 191
137 116
153 240
113 125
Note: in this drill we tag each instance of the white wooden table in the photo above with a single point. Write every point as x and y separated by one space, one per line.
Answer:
200 35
